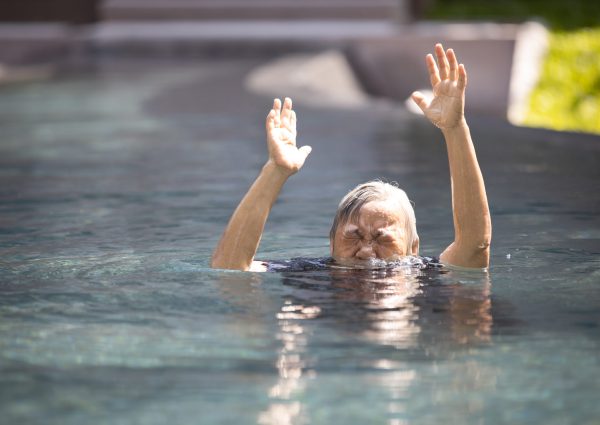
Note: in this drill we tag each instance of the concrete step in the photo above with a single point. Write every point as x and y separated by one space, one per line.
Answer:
230 38
164 10
121 35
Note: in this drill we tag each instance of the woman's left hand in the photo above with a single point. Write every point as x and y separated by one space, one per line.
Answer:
446 109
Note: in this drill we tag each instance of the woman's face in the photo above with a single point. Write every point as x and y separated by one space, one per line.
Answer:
379 231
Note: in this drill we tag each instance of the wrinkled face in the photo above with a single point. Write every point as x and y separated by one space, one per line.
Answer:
377 232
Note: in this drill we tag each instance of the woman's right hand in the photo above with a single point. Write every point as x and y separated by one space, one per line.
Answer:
281 138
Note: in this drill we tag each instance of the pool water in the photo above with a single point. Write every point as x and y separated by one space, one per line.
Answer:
116 182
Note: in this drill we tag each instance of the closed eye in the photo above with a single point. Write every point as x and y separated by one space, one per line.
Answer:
352 235
384 237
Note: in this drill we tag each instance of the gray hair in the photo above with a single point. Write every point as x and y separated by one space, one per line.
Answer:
375 190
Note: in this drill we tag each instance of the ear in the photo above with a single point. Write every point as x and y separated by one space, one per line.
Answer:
414 249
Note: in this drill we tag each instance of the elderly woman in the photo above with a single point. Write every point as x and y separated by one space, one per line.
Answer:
375 220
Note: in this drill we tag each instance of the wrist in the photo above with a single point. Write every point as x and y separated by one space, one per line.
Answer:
275 171
460 125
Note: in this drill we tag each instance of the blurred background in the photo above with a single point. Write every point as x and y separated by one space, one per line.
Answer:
544 75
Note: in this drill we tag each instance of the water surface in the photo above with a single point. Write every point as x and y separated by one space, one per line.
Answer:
116 183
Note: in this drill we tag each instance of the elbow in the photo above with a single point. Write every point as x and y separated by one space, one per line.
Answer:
480 252
485 241
479 240
469 253
483 244
471 248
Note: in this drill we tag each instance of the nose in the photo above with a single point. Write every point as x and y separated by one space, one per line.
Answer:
365 252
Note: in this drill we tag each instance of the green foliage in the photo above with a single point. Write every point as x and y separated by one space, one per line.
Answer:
567 96
558 14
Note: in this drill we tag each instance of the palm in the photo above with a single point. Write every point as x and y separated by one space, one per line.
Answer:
282 147
446 109
281 138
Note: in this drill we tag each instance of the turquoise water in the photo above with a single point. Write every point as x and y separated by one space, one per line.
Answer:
116 184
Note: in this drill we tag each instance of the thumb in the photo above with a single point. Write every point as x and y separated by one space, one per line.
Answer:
419 99
305 150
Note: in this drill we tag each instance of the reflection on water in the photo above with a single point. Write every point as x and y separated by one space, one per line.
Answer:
291 366
399 308
386 298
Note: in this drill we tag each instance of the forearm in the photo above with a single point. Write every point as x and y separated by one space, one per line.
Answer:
241 237
472 224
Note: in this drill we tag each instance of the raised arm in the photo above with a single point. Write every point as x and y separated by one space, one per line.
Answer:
472 223
241 237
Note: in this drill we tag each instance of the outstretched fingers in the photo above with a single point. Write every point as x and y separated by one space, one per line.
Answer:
445 67
286 113
442 61
434 75
277 110
270 123
453 64
274 119
293 121
462 77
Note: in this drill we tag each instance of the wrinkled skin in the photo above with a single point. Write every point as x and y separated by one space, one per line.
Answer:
378 232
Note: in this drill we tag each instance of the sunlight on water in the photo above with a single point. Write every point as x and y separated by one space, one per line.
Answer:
116 186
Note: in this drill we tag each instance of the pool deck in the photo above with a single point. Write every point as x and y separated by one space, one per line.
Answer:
386 57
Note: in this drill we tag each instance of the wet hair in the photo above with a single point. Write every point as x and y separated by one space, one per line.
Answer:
375 190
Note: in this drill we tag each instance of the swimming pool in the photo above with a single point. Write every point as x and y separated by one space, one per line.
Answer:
116 184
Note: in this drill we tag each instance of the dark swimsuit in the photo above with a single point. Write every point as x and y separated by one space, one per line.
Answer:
324 263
